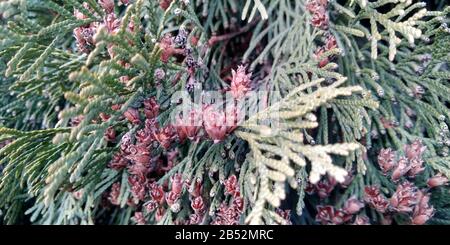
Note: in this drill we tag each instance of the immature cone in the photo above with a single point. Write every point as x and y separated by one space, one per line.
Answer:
85 38
139 218
172 198
361 220
214 123
320 19
353 205
330 42
104 117
402 168
231 185
414 150
137 187
238 202
228 215
112 25
217 123
132 115
151 206
437 180
195 218
177 183
84 35
78 14
285 214
144 136
125 142
325 187
317 8
172 156
375 199
151 108
404 198
340 217
196 189
168 49
114 194
422 211
240 83
197 204
190 125
118 161
139 154
140 169
107 5
416 167
327 215
165 136
386 160
156 192
318 53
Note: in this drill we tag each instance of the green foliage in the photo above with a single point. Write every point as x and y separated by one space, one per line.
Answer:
386 86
